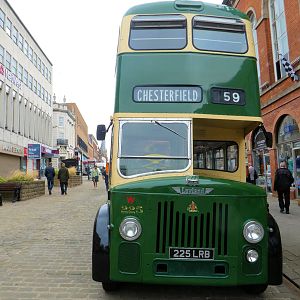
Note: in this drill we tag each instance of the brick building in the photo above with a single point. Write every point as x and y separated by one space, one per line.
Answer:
276 26
81 134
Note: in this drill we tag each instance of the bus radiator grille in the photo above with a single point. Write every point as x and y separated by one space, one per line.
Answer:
202 230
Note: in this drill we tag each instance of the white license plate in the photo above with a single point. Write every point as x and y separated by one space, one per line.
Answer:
191 253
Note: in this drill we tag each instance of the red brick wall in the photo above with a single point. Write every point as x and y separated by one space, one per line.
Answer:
281 97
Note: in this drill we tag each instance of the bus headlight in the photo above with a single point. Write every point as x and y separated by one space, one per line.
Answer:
253 232
130 229
252 256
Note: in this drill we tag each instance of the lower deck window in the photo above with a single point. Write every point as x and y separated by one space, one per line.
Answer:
216 155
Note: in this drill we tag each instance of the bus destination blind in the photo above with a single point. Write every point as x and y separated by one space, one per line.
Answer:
167 94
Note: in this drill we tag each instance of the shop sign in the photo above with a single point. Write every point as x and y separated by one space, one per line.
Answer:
259 141
46 150
11 149
34 151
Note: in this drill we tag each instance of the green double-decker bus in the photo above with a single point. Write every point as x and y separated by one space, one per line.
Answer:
179 210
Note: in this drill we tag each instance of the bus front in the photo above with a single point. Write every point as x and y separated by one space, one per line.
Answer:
179 210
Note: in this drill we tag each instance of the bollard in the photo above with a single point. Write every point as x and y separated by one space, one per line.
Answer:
0 200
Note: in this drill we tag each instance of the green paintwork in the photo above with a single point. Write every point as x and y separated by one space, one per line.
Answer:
168 7
206 70
245 202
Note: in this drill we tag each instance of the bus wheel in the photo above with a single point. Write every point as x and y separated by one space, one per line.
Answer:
255 289
110 286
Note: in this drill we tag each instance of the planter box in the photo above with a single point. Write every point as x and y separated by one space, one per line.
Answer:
29 189
74 180
32 189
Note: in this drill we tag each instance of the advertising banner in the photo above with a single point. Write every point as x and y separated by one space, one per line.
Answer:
34 151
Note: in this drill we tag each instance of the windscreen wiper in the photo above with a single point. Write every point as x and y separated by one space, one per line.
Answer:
163 126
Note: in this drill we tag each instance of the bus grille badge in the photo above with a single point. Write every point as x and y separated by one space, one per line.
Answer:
192 180
192 208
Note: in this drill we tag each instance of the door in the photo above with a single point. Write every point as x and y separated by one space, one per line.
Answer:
296 173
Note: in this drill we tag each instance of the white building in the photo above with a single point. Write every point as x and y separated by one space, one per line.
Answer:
63 132
25 95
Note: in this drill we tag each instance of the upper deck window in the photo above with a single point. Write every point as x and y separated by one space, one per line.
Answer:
160 32
219 34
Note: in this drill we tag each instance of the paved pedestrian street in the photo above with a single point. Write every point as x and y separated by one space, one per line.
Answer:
45 253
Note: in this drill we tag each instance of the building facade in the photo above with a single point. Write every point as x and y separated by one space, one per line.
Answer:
81 134
25 97
276 26
64 124
93 148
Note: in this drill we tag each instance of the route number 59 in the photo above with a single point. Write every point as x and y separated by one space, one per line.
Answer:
231 96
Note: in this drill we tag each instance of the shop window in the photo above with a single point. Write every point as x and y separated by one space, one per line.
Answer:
288 138
288 130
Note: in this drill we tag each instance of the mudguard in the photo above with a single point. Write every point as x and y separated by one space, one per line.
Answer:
100 252
274 253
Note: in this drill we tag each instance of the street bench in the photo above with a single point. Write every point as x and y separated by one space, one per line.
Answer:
11 187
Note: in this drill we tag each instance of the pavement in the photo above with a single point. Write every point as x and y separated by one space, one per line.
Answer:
290 237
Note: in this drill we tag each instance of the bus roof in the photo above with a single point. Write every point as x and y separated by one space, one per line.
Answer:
182 6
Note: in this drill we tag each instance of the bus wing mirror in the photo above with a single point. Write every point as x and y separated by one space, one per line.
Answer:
101 132
269 139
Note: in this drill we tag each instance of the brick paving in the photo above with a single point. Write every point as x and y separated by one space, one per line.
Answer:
45 253
289 226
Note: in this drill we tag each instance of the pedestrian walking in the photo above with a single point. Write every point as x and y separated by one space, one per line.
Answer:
63 176
282 184
88 171
95 176
252 175
50 174
105 177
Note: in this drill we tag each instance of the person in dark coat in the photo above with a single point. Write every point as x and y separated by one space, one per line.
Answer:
105 177
50 174
63 176
282 184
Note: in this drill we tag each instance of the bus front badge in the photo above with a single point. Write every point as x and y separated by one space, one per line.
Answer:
192 180
192 207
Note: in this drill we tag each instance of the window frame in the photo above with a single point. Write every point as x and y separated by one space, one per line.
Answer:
276 44
187 122
8 62
8 28
2 55
194 19
15 35
212 152
184 26
2 19
20 41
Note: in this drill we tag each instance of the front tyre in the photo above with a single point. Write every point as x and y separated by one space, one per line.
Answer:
110 286
255 289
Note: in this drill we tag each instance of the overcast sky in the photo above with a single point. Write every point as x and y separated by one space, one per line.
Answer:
81 42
